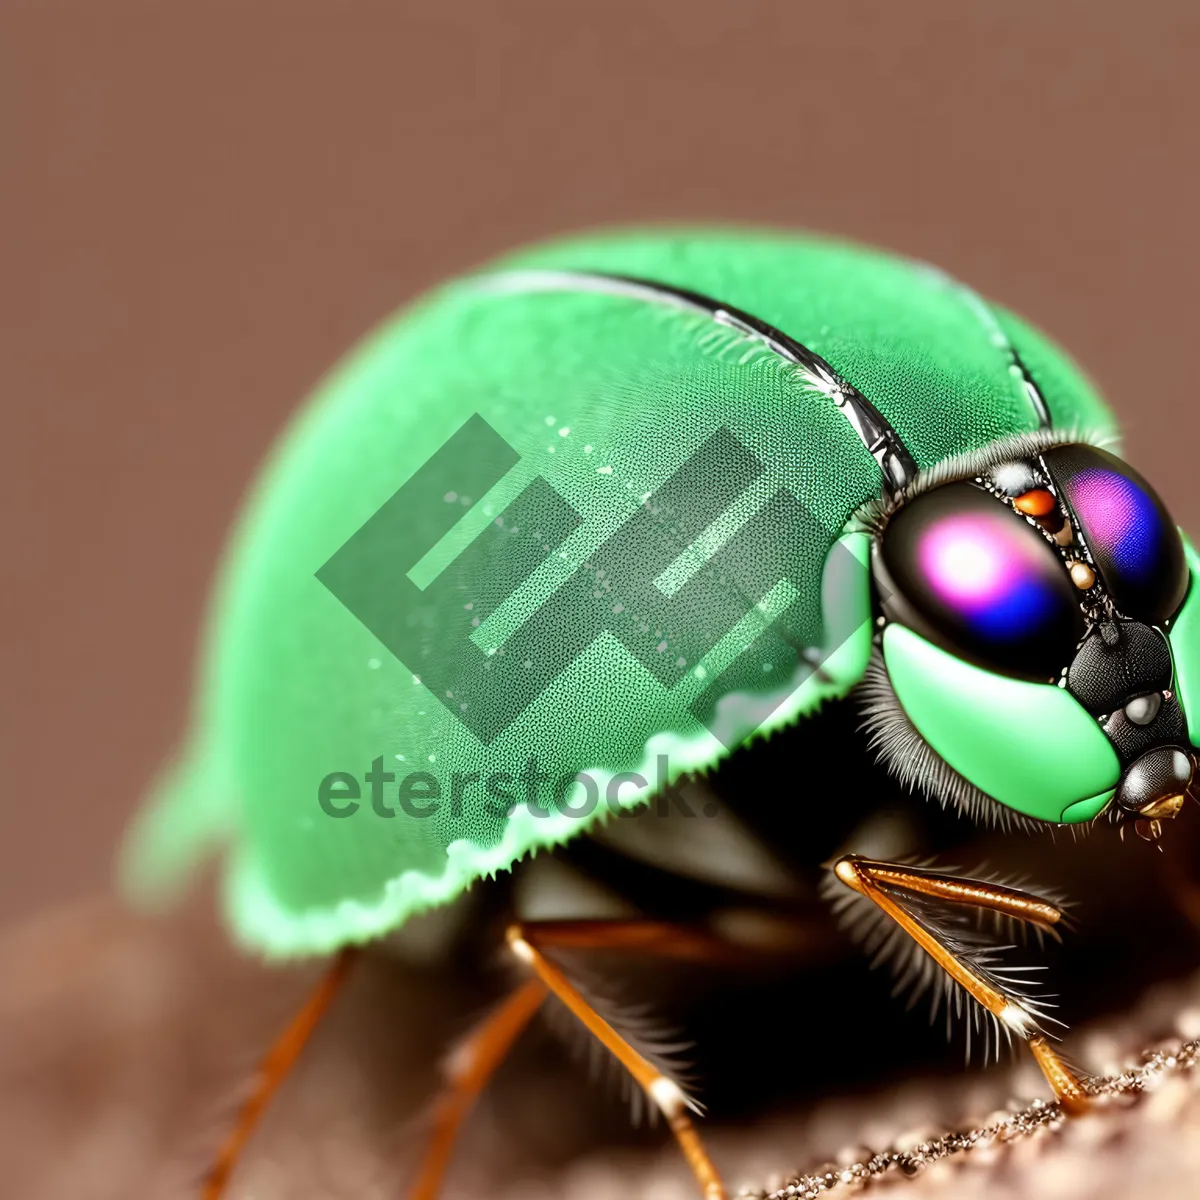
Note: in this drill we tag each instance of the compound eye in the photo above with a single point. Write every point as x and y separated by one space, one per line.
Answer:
970 574
1133 540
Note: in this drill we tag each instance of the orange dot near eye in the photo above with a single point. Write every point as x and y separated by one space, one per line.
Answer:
1037 503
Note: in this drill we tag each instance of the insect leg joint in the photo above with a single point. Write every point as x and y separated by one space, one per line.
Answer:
521 949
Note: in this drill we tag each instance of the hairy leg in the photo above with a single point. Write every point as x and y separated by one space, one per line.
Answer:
893 888
272 1071
527 943
469 1065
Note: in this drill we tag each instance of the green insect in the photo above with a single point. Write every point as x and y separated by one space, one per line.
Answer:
573 529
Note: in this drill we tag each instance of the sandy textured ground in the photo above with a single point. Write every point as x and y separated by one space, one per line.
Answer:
121 1043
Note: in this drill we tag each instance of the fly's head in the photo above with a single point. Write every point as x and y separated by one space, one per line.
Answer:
1038 648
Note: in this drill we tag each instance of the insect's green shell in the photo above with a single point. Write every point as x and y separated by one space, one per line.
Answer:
294 688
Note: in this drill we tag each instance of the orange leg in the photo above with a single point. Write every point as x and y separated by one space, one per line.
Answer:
273 1070
525 941
879 881
468 1068
660 939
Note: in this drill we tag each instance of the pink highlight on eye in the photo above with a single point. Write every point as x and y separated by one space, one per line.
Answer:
963 561
989 570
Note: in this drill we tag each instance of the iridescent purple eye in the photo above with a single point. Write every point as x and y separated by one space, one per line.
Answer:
1131 536
968 572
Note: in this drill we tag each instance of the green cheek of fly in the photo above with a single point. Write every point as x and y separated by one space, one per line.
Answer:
1030 746
1184 637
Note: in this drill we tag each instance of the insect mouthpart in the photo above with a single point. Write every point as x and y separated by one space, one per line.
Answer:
1153 788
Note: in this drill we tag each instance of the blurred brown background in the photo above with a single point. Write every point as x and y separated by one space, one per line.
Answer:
204 204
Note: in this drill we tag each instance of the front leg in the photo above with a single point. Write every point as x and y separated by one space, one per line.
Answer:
905 894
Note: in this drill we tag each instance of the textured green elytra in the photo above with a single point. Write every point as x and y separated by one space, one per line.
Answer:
602 398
